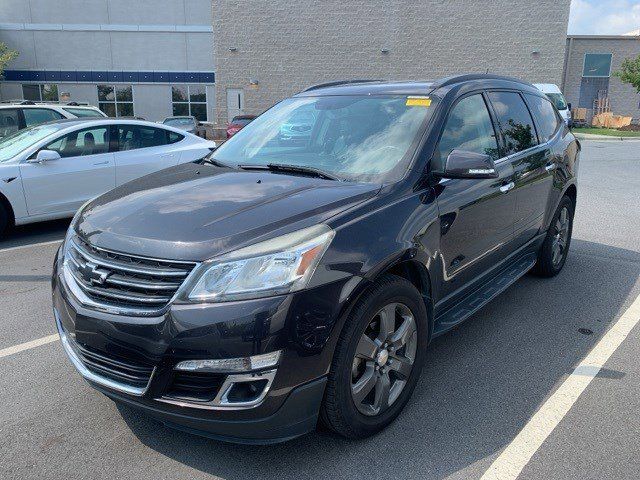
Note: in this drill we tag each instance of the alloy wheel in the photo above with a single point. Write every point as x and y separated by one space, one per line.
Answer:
561 237
384 359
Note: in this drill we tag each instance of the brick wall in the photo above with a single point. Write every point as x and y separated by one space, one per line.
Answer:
623 97
289 45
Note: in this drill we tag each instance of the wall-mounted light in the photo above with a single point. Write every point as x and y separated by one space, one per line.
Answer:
253 83
384 50
233 49
535 53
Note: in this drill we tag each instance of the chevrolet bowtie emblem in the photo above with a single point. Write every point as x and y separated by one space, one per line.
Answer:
92 273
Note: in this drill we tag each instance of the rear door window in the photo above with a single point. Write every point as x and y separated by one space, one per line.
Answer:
515 121
84 112
545 116
133 137
468 127
35 116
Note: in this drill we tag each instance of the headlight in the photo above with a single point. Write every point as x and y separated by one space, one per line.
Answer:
281 265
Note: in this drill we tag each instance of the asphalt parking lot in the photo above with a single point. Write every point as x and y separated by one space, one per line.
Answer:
482 384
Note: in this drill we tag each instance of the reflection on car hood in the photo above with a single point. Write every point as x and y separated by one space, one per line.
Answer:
194 212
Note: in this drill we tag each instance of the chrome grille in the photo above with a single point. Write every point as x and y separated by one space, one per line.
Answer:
120 280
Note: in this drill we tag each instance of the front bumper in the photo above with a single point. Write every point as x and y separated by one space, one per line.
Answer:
300 325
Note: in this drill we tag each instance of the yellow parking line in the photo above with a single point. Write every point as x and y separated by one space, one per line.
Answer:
5 352
515 457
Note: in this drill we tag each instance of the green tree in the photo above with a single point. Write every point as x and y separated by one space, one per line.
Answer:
630 72
6 55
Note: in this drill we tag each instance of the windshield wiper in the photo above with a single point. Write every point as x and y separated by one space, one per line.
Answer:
283 167
210 160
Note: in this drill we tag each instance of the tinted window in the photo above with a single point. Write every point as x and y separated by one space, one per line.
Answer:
84 112
596 65
132 137
515 121
545 116
8 121
175 137
34 116
90 141
469 128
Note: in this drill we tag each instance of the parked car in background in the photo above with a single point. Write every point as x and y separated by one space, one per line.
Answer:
298 128
19 114
272 286
238 123
188 124
49 170
557 98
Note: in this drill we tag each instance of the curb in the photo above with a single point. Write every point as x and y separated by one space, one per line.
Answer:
607 138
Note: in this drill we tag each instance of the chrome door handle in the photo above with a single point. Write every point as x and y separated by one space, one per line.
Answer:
508 187
550 166
102 163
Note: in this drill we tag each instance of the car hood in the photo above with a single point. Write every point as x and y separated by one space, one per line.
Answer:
195 212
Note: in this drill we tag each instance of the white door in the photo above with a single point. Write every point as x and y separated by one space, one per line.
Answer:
85 169
235 102
143 150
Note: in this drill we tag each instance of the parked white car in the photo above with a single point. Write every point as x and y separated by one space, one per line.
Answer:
50 170
18 114
557 98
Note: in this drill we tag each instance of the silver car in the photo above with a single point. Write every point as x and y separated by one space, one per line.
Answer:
187 123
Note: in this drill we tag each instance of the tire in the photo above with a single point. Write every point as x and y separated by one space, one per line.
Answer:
548 263
340 412
4 220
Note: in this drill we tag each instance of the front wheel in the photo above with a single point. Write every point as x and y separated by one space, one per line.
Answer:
553 253
378 359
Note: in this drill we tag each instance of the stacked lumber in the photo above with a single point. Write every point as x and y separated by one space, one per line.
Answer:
609 120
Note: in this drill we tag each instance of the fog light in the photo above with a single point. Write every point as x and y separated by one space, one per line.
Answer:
229 365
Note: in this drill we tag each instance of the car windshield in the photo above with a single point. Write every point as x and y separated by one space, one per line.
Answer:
360 138
558 100
14 144
174 122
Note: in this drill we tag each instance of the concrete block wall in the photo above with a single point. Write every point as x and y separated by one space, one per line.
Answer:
623 97
286 46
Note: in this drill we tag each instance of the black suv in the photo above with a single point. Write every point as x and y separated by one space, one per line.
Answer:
272 285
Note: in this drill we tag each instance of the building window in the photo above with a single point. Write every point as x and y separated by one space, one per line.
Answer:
116 100
39 92
597 65
189 100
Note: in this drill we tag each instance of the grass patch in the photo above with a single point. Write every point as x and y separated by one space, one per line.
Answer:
606 131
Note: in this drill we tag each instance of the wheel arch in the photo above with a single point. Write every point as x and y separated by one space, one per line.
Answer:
6 204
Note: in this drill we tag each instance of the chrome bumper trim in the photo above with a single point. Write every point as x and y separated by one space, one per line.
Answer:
88 374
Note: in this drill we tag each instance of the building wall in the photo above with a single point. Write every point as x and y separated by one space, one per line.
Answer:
77 43
286 47
623 97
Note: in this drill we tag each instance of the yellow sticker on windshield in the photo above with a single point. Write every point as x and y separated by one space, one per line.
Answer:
418 102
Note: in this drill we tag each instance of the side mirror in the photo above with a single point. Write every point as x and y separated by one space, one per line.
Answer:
464 164
569 106
45 156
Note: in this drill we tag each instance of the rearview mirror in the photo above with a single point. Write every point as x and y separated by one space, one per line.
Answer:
46 156
464 164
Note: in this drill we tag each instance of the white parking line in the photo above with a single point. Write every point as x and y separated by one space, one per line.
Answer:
515 457
20 247
28 345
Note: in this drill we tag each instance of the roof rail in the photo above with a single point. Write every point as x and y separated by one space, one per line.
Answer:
474 76
45 102
339 82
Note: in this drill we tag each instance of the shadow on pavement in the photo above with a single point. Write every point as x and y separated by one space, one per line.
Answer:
34 233
482 383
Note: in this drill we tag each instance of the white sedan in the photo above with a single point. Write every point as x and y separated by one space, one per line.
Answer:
50 170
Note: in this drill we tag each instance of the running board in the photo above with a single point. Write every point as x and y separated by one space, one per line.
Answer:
483 295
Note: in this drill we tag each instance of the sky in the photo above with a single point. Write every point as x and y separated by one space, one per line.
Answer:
604 17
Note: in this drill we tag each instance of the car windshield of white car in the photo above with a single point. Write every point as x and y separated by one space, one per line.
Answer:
14 144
